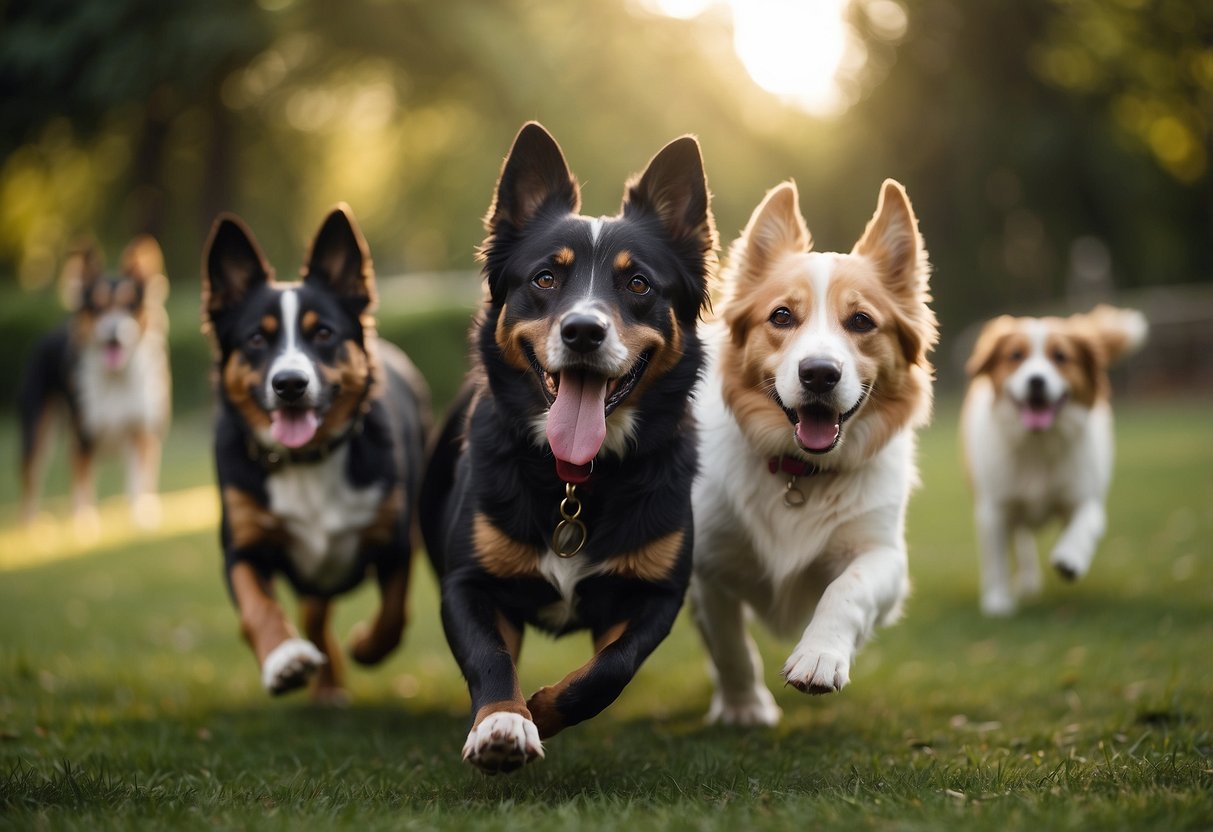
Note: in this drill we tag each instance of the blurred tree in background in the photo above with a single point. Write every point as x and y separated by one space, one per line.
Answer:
1043 142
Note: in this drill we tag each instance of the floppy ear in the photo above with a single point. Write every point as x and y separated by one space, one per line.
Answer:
83 265
533 176
232 264
673 188
341 261
143 260
988 342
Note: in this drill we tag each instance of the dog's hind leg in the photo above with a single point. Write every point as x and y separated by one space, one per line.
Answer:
327 686
84 495
1027 564
142 475
371 642
35 454
741 697
993 537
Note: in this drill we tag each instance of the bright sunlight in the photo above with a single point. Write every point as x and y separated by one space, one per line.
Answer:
795 49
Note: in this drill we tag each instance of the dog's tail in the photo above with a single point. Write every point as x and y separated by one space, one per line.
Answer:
439 478
1119 332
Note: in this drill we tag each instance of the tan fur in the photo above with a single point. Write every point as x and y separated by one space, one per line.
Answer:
250 522
500 554
653 562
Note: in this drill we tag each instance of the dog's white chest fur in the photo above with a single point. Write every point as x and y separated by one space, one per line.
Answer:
113 405
324 516
564 574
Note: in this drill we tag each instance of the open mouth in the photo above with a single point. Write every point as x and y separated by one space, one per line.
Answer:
293 427
1038 413
113 355
579 402
818 427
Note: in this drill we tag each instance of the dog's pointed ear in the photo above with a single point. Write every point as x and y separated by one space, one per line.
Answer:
673 188
533 176
232 265
83 265
341 261
989 340
776 227
891 240
143 260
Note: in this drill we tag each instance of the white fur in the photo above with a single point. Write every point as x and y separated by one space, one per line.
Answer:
113 404
292 357
323 514
290 665
830 570
502 741
1021 479
564 574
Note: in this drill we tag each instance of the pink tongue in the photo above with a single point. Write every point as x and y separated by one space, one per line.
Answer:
577 419
1038 419
293 428
112 356
817 429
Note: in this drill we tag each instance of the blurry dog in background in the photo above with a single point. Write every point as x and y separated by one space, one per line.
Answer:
106 369
318 448
1037 430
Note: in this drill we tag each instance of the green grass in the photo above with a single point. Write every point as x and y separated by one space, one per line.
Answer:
127 699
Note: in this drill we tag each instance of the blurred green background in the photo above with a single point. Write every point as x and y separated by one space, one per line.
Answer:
1057 151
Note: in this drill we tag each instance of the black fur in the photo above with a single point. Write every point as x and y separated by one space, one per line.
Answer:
487 461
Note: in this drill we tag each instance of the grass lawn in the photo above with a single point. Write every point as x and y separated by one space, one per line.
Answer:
127 699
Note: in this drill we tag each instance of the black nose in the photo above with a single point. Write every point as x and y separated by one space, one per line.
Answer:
290 385
819 376
583 333
1036 385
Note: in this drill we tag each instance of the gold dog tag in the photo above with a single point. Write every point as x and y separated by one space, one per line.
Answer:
570 535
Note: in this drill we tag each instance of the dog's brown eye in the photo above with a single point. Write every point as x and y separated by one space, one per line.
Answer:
638 285
322 334
256 340
1060 357
859 322
1016 355
543 280
781 317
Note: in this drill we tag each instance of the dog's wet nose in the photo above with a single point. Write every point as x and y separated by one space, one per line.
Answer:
583 333
290 385
819 375
1036 386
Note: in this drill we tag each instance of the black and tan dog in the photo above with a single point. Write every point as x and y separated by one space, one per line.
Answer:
559 493
107 369
318 447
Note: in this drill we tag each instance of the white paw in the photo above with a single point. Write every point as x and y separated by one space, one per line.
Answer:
290 665
812 672
1028 584
145 511
997 604
758 708
1069 564
502 742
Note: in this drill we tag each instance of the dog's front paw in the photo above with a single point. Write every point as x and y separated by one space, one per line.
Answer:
810 671
757 709
997 604
290 665
502 742
1069 564
145 511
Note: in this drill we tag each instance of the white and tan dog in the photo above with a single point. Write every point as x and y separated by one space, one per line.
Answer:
817 380
1037 428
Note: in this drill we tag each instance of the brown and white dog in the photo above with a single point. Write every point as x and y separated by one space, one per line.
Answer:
1037 429
107 368
818 377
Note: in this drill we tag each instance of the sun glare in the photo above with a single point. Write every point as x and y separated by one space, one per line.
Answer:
794 49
